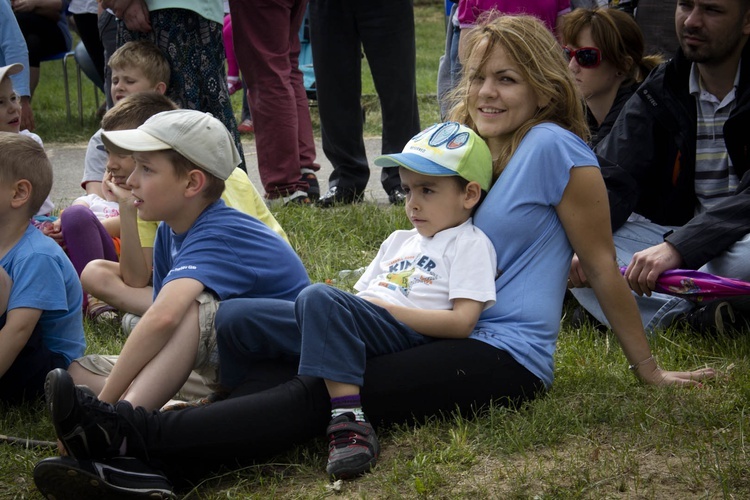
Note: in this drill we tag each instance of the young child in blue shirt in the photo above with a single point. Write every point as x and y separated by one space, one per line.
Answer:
40 297
204 253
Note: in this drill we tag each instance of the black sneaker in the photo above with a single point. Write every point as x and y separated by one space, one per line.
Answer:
87 427
353 448
313 188
397 196
716 317
63 478
337 196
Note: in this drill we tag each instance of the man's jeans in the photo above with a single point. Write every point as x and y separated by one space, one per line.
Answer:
660 310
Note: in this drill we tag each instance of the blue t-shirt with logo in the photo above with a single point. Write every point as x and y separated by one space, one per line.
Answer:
232 254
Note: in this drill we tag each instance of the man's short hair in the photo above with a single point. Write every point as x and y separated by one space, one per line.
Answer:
144 55
24 158
133 110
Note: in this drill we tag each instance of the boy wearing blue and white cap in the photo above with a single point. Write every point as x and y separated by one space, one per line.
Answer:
429 282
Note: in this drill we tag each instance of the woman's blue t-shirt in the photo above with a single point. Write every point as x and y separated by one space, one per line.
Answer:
533 252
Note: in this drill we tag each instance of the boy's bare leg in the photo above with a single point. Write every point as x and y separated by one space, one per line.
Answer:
82 376
163 376
340 389
102 279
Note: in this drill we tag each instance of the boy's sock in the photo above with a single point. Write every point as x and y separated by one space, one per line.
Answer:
345 404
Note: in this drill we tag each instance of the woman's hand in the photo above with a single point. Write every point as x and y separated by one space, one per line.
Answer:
653 375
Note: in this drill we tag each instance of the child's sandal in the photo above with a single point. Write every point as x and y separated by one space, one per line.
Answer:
98 310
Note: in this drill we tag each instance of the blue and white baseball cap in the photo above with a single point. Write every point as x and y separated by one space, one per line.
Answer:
445 149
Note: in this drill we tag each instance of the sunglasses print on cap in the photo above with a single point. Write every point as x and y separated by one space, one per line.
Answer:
586 57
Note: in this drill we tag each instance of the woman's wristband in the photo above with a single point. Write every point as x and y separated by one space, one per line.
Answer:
637 365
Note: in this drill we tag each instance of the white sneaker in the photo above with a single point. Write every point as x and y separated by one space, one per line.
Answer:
129 320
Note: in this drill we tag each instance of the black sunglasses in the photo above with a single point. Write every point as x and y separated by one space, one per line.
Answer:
586 57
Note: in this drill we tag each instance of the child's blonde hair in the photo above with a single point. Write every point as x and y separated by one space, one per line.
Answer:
132 111
540 60
24 158
144 55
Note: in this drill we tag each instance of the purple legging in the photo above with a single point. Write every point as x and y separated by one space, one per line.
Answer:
85 238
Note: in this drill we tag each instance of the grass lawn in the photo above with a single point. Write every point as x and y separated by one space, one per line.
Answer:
597 433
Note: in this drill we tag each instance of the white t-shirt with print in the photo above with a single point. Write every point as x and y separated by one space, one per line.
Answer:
430 272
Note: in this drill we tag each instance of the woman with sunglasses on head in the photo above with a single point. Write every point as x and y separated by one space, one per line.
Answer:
549 199
605 52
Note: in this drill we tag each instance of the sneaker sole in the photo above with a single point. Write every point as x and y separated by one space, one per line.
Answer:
59 394
351 473
62 479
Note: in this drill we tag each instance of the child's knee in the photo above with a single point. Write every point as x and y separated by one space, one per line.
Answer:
99 274
76 216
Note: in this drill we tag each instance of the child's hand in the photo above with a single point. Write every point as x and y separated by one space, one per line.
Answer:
54 231
115 192
378 302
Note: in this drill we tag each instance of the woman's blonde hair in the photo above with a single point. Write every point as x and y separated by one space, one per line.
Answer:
617 36
540 60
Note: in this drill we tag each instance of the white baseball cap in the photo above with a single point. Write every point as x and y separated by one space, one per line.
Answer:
196 135
12 69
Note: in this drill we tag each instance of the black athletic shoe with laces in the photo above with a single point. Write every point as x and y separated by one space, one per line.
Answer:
87 427
716 317
65 478
353 448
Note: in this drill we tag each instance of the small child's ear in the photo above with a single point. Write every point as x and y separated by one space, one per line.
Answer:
21 193
161 88
473 194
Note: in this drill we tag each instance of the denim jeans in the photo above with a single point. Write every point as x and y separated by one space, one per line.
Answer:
660 310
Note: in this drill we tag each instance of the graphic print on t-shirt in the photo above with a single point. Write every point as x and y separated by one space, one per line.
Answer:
403 274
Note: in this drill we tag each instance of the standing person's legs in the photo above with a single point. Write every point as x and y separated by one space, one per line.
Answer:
86 24
233 70
445 78
337 56
43 39
108 35
264 30
307 153
193 46
387 32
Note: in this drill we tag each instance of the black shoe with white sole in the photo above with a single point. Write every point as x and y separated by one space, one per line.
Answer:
65 478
